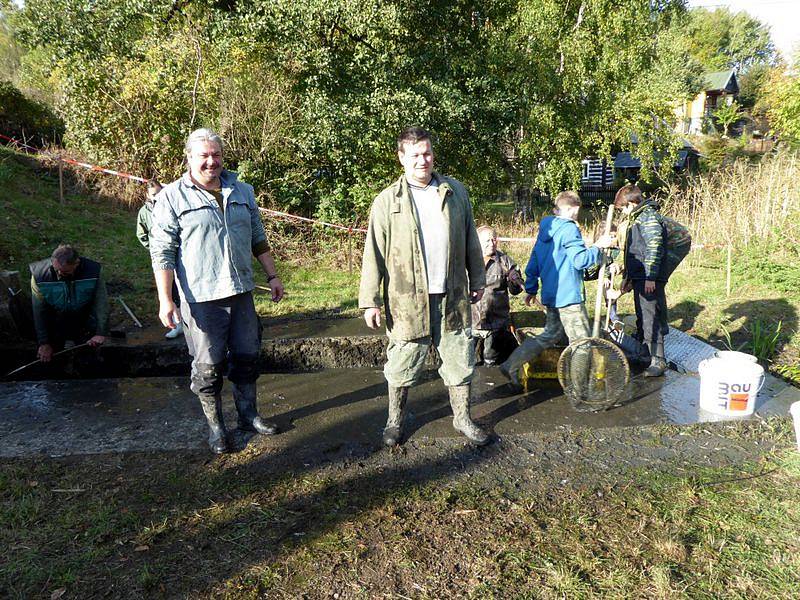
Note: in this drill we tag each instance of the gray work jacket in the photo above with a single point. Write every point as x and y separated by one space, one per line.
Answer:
209 250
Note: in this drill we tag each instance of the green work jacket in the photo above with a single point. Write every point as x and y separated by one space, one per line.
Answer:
393 272
82 297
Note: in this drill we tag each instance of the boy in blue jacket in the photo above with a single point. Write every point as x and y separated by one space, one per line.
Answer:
559 258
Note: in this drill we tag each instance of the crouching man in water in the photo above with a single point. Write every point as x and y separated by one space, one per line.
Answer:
423 264
206 228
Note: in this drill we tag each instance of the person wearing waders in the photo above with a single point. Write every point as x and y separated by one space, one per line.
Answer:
652 248
144 222
206 230
421 269
559 258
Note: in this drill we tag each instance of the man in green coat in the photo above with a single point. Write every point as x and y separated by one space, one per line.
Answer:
69 300
423 267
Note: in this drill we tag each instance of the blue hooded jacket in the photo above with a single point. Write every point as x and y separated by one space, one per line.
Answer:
559 258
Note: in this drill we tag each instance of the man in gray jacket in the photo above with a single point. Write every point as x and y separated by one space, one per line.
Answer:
206 229
423 266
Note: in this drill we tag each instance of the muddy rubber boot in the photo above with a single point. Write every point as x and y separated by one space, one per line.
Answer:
393 432
212 408
244 396
459 401
658 364
526 352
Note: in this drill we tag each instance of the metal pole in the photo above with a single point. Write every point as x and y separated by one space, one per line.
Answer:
350 251
61 180
728 274
130 312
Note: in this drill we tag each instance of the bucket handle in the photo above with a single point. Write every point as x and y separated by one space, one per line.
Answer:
763 381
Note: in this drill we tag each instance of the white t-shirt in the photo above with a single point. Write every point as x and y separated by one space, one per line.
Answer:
434 236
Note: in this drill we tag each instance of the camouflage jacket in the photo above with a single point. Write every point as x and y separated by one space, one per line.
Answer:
393 272
645 244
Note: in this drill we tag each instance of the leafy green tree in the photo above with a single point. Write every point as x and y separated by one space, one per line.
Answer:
720 39
310 94
596 77
782 100
726 115
10 52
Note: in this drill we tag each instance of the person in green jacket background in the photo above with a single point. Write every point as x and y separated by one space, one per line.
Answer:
144 223
422 267
69 300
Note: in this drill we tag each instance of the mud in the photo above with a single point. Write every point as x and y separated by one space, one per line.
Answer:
308 345
324 410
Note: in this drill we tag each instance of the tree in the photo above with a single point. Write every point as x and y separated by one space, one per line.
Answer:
720 39
726 115
782 100
10 51
311 93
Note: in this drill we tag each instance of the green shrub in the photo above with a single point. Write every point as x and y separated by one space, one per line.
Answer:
21 117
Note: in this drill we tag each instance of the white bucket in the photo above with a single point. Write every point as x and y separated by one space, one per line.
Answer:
734 355
729 386
794 410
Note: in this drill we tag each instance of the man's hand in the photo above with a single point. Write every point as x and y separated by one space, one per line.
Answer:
476 296
277 289
649 287
373 317
169 314
606 241
96 341
626 287
612 294
45 353
615 268
530 299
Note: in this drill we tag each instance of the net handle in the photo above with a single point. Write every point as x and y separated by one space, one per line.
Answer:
601 277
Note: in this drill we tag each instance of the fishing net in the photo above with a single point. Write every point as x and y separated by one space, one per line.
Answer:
594 374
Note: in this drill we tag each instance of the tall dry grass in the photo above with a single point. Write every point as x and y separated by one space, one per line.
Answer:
743 204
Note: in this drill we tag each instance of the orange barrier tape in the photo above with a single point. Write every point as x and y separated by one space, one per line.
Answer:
72 161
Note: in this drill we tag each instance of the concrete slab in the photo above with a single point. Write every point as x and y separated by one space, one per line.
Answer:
327 409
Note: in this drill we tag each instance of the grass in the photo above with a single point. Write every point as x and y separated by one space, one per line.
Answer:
145 525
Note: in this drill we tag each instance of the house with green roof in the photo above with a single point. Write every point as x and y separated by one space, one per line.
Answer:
694 117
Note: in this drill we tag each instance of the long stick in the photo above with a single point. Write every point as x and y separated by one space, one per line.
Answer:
601 277
130 312
728 275
60 180
40 360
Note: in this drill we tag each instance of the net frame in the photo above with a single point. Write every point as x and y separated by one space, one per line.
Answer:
579 395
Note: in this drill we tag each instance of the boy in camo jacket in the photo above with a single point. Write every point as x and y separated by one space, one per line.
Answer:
647 266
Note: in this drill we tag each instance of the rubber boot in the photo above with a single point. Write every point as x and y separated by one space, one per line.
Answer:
212 408
244 396
658 364
528 350
459 401
393 432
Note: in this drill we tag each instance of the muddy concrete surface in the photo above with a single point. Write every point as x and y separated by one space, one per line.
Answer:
325 410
